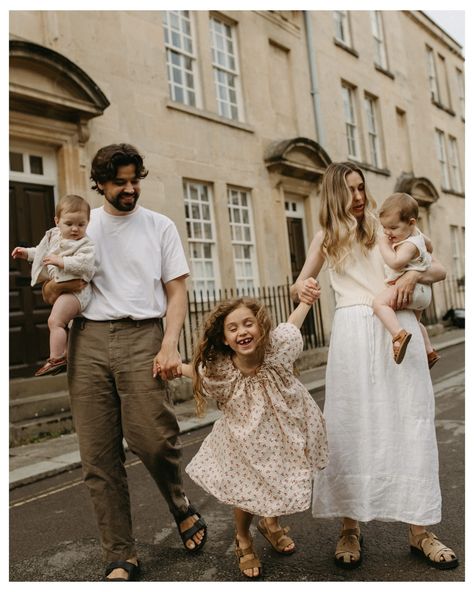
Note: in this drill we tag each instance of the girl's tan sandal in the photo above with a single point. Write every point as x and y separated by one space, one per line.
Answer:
348 549
428 546
403 339
278 539
247 559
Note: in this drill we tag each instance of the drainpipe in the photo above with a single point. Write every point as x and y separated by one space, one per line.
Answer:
313 77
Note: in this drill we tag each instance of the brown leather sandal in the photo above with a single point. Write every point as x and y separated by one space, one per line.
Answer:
348 549
251 560
433 357
403 339
52 366
428 546
278 539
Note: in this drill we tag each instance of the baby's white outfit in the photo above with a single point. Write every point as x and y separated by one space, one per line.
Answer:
421 297
78 257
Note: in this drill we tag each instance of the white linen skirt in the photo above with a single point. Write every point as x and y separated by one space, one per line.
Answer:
383 455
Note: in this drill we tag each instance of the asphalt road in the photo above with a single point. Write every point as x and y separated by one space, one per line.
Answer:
53 536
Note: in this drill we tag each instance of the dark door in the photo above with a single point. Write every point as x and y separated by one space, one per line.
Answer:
296 244
31 214
297 257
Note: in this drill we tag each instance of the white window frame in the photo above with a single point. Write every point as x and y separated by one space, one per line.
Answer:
50 171
432 75
181 60
242 235
442 158
342 27
446 96
461 91
457 252
379 39
371 110
453 163
350 121
225 65
201 233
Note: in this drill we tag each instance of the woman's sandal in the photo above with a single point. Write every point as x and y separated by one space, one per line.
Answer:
188 534
252 560
132 570
428 546
403 339
278 539
348 549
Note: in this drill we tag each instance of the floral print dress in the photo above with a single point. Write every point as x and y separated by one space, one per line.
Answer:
263 451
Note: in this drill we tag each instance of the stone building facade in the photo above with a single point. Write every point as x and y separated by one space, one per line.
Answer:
238 113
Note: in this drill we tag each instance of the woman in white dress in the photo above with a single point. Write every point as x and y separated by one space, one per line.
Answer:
383 456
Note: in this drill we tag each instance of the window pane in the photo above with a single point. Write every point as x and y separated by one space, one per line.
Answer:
36 165
16 162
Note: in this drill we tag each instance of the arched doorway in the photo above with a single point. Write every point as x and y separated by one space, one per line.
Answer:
296 167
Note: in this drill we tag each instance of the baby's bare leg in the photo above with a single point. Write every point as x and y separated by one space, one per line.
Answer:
64 310
424 332
385 312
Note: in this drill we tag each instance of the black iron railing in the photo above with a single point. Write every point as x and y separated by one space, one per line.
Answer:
280 305
276 298
451 297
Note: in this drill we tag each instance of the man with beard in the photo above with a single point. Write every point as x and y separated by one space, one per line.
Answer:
119 359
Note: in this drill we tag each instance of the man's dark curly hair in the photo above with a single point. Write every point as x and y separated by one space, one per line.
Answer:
109 158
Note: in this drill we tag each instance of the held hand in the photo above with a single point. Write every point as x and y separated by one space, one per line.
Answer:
19 253
167 363
308 290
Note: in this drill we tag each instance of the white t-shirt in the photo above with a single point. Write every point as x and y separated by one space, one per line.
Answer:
135 255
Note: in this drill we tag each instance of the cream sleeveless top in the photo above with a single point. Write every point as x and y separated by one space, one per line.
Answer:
361 279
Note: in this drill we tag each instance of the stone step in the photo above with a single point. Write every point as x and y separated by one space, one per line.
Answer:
37 385
25 432
32 407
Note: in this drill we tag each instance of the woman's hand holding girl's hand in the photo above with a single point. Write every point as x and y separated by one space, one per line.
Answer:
308 290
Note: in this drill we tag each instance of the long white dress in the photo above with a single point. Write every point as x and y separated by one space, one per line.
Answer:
380 421
263 451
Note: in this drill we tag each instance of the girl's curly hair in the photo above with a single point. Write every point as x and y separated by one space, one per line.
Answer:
211 344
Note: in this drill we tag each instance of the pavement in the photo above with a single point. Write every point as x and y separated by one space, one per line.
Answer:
33 462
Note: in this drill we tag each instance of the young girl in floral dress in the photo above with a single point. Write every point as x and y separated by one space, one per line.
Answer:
265 448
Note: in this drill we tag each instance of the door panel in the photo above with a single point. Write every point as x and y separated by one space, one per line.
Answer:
31 214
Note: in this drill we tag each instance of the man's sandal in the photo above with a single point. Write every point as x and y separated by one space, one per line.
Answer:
348 549
428 546
188 534
132 570
247 559
403 339
278 539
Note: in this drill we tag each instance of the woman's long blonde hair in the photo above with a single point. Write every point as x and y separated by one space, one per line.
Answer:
211 343
340 227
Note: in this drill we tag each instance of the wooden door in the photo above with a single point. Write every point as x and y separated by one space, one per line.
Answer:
31 214
296 245
297 257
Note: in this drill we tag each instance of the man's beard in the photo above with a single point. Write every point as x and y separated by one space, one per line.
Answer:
119 205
